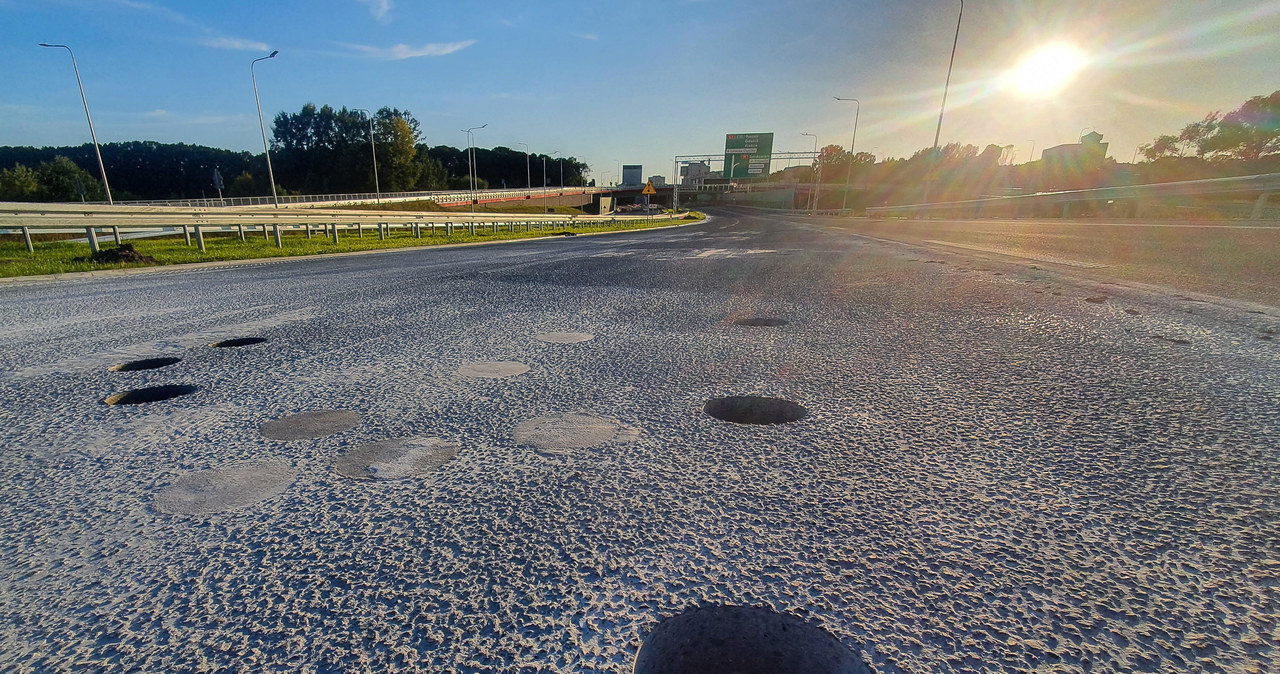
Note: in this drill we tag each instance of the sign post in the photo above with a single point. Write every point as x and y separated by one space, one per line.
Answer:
646 192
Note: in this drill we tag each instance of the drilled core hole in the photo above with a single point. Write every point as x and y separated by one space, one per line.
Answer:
144 364
238 341
744 640
150 394
754 410
762 322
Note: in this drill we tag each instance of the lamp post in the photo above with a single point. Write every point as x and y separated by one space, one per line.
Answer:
373 148
528 177
947 86
471 163
849 174
544 184
1032 156
817 177
92 135
271 176
561 161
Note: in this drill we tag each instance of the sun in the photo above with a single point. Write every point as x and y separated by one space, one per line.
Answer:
1047 70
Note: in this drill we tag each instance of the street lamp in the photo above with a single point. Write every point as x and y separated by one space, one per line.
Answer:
1032 156
271 176
376 190
561 160
471 163
849 175
528 178
947 86
817 166
92 135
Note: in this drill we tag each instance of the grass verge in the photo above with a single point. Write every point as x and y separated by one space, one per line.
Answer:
56 257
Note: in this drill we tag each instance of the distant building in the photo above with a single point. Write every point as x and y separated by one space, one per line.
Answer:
1074 166
658 181
694 173
631 174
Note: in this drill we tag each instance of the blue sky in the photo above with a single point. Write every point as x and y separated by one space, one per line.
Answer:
635 82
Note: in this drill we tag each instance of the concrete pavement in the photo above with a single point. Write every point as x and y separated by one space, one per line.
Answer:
497 458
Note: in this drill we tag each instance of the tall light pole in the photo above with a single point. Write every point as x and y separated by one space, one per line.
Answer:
376 190
92 135
813 197
528 177
271 176
849 174
561 160
544 184
471 163
1032 156
947 86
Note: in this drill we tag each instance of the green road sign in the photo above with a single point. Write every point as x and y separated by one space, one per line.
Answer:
747 155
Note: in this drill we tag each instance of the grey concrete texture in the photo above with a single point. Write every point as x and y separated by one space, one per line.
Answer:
994 474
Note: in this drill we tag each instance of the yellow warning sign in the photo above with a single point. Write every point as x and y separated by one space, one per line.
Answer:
648 188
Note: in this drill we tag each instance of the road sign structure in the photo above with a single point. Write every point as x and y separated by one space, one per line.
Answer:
747 155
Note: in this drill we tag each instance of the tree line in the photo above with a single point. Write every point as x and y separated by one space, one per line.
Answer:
318 150
1244 141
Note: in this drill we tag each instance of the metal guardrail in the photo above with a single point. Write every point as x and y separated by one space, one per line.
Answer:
439 196
119 220
992 206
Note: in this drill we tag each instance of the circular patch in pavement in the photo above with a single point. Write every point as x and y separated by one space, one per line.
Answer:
493 369
238 341
754 410
395 459
563 337
144 364
225 488
762 322
150 394
744 640
309 425
563 432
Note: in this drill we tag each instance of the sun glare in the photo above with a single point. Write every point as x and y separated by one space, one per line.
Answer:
1047 70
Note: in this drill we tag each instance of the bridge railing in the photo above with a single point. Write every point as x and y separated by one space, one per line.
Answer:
1138 195
438 196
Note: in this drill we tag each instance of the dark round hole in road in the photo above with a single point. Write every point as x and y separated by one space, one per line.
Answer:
744 640
754 410
150 394
762 322
144 364
238 341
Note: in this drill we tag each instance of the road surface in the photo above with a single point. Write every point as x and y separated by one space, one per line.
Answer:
497 458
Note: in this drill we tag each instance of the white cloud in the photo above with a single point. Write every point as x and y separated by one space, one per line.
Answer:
378 8
240 44
404 51
587 36
156 114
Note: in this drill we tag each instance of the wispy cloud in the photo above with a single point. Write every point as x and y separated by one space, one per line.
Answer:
156 114
403 51
378 8
587 36
236 43
212 37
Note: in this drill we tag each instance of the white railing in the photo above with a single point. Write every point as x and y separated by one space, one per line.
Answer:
438 196
31 219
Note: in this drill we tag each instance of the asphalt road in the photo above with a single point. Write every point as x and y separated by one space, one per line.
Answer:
1005 464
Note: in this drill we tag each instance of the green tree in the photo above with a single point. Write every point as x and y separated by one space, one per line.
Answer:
62 180
397 148
1250 132
19 184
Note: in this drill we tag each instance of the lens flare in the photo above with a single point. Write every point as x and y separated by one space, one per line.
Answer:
1047 70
